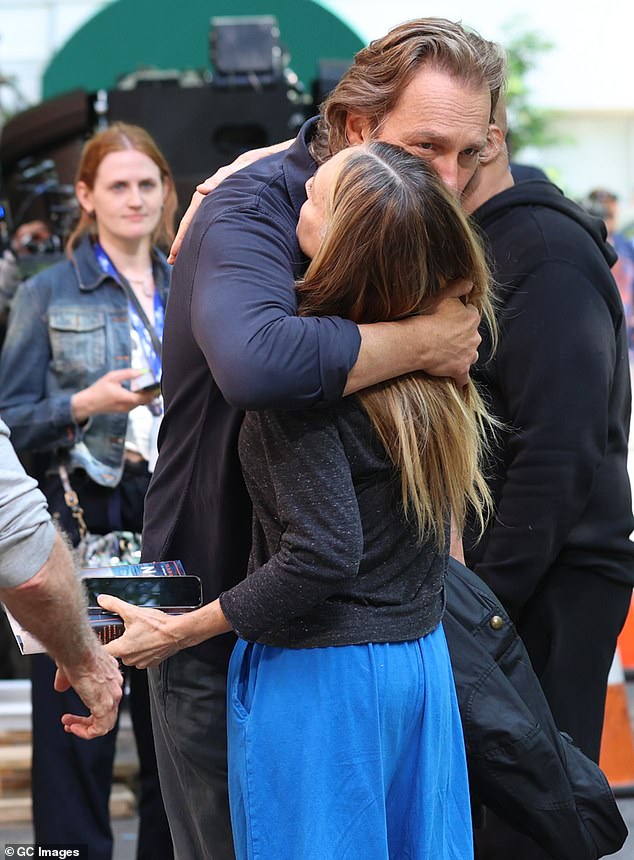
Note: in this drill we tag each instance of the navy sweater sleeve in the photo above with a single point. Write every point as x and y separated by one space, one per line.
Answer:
555 368
302 462
244 316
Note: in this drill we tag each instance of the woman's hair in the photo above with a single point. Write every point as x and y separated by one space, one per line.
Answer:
394 238
374 83
120 137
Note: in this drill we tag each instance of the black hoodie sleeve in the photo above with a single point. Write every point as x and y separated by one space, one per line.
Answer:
555 369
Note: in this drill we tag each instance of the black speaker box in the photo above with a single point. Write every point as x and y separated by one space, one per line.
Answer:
202 128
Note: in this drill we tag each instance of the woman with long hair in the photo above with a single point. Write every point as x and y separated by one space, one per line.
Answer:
79 377
344 734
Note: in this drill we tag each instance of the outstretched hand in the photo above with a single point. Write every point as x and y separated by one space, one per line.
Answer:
98 682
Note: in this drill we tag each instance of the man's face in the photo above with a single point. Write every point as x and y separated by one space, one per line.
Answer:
439 118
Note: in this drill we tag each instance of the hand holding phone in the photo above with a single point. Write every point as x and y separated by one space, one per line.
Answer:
144 383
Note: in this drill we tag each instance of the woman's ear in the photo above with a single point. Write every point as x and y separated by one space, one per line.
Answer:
84 196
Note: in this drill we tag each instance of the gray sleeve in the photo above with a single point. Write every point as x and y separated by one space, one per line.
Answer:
26 530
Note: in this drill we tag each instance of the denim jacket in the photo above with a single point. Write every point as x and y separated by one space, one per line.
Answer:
69 325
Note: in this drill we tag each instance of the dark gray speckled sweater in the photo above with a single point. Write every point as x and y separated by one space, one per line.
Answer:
333 561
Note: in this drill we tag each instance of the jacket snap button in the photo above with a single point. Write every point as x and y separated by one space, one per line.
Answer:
496 622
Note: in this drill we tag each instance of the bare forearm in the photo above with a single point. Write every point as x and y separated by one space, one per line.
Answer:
442 343
456 549
204 623
386 352
51 606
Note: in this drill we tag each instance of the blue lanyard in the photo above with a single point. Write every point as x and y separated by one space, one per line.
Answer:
152 357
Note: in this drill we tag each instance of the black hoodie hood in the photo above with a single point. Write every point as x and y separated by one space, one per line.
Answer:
560 384
542 193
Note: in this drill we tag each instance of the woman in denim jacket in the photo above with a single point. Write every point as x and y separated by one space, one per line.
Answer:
79 377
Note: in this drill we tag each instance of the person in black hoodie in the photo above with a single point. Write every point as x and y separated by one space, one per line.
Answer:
557 552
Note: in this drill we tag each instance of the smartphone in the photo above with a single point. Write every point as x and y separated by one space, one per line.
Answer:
159 592
145 382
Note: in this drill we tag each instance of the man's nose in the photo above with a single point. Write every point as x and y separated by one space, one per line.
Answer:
448 170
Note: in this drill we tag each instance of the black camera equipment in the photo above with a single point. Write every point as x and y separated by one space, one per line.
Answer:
39 196
245 51
38 180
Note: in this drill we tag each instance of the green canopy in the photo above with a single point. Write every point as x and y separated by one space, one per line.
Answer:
130 35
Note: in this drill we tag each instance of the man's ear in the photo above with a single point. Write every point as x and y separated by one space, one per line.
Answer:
494 145
357 128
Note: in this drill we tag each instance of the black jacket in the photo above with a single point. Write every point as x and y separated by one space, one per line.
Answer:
560 381
520 766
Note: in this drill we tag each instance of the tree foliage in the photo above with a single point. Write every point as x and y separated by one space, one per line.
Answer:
529 125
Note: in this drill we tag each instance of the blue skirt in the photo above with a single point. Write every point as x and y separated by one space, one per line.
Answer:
347 753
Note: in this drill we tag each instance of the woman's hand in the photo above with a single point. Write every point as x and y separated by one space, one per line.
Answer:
108 394
150 637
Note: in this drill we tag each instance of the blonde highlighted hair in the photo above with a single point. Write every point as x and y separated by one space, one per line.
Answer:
395 237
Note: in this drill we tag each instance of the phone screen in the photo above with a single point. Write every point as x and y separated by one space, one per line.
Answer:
160 592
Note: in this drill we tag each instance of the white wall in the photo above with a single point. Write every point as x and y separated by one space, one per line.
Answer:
600 152
590 67
30 33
